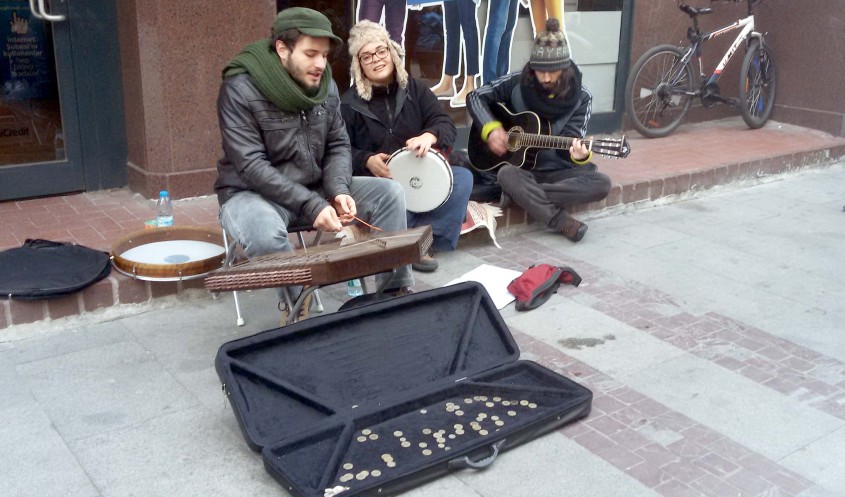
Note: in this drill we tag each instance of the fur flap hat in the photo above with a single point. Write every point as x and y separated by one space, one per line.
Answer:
550 51
366 32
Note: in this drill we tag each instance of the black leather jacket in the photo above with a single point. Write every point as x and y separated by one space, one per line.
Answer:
300 161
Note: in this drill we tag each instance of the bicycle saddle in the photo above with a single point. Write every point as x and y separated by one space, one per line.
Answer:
694 11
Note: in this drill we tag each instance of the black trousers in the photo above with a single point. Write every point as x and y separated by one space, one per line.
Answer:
545 195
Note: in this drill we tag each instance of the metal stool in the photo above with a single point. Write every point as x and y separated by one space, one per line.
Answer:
232 247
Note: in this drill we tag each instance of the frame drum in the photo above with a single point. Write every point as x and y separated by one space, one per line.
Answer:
427 180
169 254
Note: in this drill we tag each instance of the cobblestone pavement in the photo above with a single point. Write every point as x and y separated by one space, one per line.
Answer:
709 331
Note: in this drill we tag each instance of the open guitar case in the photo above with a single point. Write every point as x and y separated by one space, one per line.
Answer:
378 399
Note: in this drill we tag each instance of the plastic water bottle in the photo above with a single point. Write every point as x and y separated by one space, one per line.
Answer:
353 288
164 210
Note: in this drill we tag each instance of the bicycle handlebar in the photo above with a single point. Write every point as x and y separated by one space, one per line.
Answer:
751 2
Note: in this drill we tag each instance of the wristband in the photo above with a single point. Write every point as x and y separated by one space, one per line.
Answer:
584 161
488 128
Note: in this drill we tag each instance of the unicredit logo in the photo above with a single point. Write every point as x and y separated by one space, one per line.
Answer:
6 132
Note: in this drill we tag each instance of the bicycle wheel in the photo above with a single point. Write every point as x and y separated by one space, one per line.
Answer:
757 85
659 90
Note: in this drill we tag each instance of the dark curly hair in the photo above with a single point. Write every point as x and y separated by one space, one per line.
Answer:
564 86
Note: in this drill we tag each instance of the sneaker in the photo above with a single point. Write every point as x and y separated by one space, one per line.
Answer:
427 264
574 229
458 101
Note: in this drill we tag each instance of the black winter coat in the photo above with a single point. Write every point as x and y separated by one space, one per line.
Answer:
415 110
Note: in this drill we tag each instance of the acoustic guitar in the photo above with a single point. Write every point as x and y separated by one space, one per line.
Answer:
527 135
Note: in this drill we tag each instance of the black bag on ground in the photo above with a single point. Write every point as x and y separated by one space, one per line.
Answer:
43 269
380 398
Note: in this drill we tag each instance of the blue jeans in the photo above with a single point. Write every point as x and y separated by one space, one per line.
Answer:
260 226
446 220
459 15
395 16
501 19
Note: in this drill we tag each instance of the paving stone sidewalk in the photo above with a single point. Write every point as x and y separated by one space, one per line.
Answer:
709 331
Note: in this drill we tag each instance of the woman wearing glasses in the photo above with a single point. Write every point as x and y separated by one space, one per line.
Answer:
385 111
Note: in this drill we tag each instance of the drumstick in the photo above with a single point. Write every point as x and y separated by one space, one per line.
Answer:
366 223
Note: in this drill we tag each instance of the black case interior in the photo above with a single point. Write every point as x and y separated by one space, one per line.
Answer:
379 398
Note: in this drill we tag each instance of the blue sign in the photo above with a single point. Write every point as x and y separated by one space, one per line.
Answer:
26 58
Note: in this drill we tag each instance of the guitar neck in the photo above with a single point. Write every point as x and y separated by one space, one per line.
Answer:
545 141
525 131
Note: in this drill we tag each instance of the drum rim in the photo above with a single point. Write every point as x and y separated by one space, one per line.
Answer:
447 168
168 272
406 150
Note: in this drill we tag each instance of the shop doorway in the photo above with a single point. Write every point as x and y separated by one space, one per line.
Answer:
52 83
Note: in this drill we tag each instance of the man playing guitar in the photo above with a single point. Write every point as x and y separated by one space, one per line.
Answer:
550 180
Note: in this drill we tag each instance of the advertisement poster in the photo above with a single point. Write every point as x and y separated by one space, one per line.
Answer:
26 59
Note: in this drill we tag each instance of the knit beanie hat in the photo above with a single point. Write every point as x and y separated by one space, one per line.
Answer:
366 32
551 51
307 21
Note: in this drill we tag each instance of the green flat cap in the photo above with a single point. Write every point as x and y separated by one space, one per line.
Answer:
307 21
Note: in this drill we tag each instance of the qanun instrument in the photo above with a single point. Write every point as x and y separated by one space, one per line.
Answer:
325 264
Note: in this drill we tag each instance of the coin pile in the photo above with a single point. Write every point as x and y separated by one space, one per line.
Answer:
360 475
422 432
367 434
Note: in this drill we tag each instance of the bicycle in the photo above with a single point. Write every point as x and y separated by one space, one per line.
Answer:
663 82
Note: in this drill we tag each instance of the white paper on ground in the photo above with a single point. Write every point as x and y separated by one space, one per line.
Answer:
494 279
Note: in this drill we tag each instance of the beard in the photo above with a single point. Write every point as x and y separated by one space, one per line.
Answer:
300 75
558 90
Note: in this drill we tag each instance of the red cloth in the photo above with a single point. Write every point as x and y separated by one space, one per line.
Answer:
534 287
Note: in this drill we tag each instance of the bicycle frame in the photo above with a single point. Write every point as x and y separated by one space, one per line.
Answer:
747 26
694 50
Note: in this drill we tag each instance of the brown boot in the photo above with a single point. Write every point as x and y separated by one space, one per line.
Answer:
573 229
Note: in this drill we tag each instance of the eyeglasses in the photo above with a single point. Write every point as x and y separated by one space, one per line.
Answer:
370 57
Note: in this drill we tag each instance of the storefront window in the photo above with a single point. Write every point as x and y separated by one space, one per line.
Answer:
457 45
593 28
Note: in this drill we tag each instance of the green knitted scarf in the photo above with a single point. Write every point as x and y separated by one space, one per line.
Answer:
261 62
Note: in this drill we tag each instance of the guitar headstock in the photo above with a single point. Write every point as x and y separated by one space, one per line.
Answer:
615 148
